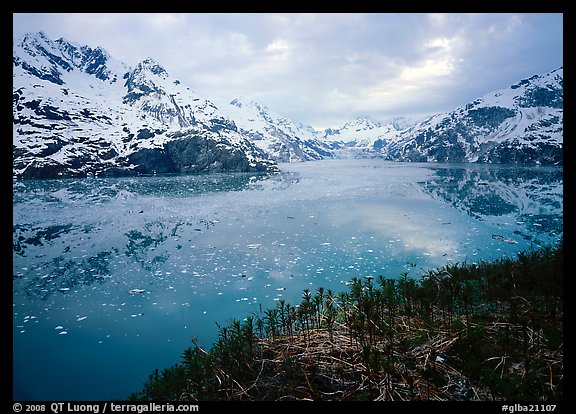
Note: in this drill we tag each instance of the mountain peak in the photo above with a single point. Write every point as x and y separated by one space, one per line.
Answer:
33 37
242 102
365 122
51 60
237 102
149 64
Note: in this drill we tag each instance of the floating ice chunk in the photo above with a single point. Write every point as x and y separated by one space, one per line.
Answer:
63 333
59 327
253 245
136 291
81 318
64 289
281 288
502 238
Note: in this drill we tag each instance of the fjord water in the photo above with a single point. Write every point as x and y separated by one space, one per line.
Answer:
113 277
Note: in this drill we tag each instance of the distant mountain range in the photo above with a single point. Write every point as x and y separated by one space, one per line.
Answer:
79 112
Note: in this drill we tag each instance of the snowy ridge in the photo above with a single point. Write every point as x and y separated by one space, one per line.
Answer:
520 124
285 140
78 112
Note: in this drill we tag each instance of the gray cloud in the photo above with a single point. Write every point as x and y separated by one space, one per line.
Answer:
325 69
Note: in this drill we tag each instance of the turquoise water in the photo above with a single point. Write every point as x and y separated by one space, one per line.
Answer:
113 277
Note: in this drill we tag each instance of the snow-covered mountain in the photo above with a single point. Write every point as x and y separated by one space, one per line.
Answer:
284 139
521 124
77 112
360 137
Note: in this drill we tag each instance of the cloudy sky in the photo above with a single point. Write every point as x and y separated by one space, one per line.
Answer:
326 69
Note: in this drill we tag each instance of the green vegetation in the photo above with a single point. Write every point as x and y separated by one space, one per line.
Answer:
486 331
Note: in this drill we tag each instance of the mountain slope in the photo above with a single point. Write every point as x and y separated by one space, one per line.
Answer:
285 140
78 112
520 124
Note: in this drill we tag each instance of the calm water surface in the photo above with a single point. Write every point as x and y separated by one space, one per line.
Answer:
209 248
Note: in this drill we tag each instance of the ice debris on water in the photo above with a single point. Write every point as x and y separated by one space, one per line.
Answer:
502 238
136 291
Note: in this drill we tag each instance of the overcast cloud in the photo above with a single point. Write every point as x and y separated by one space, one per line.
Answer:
326 69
